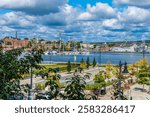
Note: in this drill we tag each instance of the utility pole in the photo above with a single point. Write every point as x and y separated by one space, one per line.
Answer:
31 84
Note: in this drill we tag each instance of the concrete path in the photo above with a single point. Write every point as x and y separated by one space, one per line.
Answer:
64 76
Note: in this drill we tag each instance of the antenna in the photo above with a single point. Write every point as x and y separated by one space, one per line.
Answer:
16 34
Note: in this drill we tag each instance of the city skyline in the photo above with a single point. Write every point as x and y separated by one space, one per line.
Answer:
88 20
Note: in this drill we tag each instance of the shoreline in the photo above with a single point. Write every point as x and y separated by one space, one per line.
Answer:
122 52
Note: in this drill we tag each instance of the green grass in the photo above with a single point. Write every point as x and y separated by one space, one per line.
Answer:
62 67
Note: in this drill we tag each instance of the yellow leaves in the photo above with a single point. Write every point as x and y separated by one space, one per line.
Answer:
40 86
83 65
142 62
132 67
109 70
109 67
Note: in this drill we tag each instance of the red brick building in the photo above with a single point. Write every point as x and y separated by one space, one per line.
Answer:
9 43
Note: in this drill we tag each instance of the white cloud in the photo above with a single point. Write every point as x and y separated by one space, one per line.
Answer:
139 3
66 16
34 7
134 15
98 12
100 22
18 19
6 29
111 23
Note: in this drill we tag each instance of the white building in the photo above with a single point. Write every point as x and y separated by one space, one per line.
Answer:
148 50
124 49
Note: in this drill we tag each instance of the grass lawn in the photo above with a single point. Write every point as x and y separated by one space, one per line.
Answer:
62 67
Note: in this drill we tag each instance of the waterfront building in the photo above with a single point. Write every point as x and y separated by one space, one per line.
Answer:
125 49
13 43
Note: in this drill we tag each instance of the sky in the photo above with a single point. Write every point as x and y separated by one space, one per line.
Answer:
79 20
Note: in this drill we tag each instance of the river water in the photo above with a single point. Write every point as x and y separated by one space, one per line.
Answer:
102 58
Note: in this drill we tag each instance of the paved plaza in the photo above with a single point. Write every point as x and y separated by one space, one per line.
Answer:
135 91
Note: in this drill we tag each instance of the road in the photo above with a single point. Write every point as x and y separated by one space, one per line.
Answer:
92 71
64 76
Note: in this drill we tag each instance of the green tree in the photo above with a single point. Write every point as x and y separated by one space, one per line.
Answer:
118 93
75 89
53 47
94 46
53 90
94 62
142 64
52 82
87 62
99 78
69 66
143 81
12 69
109 70
78 45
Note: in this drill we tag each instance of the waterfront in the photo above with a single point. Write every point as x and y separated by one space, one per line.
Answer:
102 58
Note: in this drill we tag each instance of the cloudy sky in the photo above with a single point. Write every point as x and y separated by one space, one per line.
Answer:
81 20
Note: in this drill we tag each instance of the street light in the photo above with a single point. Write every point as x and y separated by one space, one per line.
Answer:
99 56
31 84
50 59
30 95
119 88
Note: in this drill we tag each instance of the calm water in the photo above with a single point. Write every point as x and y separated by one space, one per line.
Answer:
103 58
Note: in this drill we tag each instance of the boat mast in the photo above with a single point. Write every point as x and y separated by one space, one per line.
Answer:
143 47
60 39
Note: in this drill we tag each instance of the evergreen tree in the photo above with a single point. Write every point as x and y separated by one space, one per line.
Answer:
94 62
87 62
82 61
69 66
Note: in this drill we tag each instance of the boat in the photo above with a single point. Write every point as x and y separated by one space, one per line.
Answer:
85 53
50 53
46 53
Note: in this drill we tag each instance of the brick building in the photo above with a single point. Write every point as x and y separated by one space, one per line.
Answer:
9 43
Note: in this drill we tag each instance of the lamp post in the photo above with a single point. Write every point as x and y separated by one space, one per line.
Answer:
119 88
50 59
99 56
30 95
105 75
31 84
